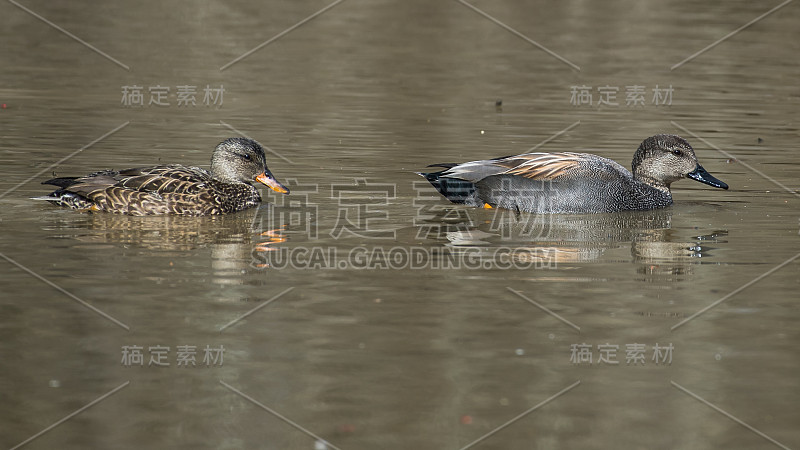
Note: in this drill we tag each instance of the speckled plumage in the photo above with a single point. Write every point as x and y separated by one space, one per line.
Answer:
174 188
574 182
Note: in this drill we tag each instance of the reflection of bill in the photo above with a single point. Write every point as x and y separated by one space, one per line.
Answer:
405 258
298 210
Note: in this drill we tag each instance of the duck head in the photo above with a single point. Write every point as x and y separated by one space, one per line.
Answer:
240 160
665 158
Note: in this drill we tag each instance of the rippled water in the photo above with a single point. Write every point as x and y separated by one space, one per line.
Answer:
386 317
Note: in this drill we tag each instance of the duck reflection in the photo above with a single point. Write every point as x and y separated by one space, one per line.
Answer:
574 238
232 238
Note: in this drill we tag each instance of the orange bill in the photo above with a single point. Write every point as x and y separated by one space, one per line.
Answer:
271 182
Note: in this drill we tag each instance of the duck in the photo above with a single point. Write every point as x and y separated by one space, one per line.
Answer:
573 183
173 189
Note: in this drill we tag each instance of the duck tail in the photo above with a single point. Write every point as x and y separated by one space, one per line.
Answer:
453 189
445 165
62 182
62 197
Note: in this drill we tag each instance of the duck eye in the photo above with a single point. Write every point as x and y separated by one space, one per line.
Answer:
677 152
245 156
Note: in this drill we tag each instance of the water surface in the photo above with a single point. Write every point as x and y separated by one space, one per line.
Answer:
350 104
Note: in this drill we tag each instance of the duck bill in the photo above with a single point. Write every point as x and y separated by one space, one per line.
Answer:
268 180
700 174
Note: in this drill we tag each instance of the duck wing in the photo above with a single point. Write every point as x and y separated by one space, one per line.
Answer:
159 189
172 178
537 166
160 179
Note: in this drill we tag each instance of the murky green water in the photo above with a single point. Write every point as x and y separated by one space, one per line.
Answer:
401 321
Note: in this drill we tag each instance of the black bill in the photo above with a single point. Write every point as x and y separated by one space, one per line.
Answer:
700 174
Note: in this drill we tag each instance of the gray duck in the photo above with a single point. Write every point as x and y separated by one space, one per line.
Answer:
573 182
173 189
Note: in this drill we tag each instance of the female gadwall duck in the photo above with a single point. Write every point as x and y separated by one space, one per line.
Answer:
573 182
173 188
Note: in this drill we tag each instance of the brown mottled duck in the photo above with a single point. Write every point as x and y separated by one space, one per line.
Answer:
173 189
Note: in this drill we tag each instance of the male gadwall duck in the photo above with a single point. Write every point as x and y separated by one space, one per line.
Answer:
174 188
573 182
